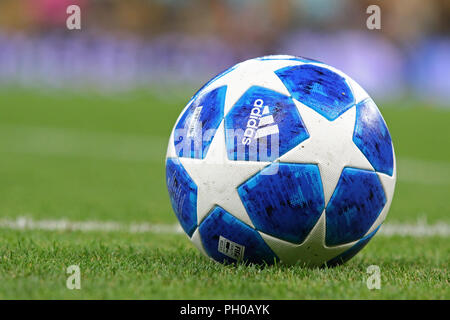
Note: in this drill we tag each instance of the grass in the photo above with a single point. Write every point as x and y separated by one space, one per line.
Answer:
124 266
92 157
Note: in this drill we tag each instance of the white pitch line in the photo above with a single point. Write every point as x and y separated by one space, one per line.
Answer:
417 230
25 223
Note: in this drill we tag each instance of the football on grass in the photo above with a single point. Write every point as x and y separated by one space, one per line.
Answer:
281 159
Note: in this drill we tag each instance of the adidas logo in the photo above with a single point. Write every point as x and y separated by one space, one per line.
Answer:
260 123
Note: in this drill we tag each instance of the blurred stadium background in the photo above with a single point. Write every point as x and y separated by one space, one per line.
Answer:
140 43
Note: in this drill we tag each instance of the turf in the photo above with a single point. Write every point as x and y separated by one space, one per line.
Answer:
101 157
124 266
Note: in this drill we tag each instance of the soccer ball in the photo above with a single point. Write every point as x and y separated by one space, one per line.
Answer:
281 158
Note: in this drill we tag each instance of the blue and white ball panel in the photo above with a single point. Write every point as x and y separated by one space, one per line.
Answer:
372 137
287 204
183 194
218 76
227 239
287 57
351 252
354 206
359 94
196 128
319 88
388 183
262 126
197 242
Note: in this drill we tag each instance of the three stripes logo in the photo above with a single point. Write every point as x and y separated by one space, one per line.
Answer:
265 127
260 123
